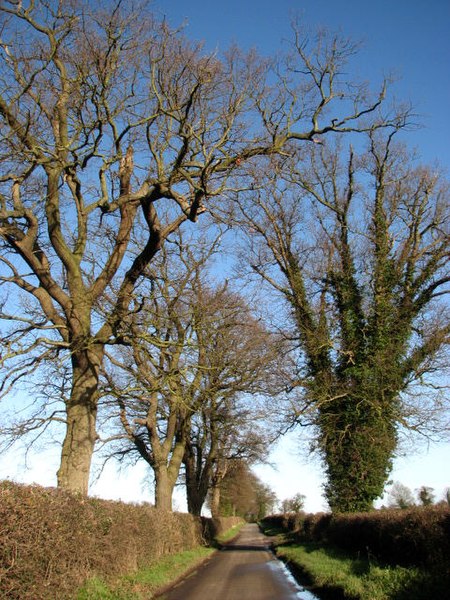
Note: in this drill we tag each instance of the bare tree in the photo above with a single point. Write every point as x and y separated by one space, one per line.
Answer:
155 380
241 366
224 429
400 496
244 494
426 495
193 351
358 249
294 504
239 431
104 112
107 113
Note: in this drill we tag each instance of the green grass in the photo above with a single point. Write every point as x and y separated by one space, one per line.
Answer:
139 585
361 579
228 535
146 581
272 531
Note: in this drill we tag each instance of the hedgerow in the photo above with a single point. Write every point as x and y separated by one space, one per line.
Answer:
417 536
52 541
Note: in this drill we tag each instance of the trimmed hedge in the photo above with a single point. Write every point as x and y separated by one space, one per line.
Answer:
413 537
419 536
51 541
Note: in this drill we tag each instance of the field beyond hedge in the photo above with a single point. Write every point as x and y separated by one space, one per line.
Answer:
52 542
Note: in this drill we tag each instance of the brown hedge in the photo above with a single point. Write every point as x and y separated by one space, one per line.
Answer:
417 536
52 541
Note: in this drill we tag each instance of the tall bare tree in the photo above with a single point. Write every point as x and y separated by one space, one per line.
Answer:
243 494
192 351
223 430
358 248
241 361
107 113
154 381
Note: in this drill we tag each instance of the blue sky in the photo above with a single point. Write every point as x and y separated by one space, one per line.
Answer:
409 38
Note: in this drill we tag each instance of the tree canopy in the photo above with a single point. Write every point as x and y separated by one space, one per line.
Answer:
117 134
357 246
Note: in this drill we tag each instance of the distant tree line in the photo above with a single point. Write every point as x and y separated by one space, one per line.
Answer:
401 496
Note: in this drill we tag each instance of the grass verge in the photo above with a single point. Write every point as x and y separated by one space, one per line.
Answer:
144 582
356 578
151 580
230 534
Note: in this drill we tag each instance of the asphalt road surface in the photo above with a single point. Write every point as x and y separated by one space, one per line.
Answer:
244 570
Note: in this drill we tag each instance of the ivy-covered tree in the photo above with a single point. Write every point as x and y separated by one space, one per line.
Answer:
358 248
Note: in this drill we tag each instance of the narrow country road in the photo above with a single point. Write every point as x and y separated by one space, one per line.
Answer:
244 570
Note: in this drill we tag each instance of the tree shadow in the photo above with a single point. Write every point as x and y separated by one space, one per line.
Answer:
244 548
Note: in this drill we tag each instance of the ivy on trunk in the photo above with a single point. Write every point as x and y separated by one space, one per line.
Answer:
359 251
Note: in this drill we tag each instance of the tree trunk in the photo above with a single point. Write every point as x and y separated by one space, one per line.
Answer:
194 503
358 450
81 415
215 501
163 489
198 478
195 498
168 457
